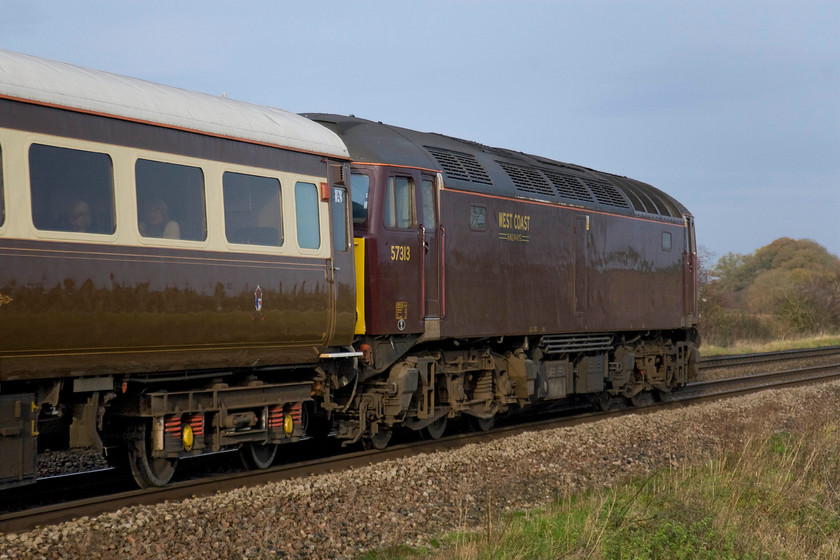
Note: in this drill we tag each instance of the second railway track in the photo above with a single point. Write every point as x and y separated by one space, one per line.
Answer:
118 498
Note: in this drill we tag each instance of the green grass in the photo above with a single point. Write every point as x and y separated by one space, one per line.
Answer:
778 497
746 347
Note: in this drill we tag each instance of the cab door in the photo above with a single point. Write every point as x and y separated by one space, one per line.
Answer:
396 279
432 236
689 259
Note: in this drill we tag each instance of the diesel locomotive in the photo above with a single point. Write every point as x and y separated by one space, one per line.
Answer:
182 273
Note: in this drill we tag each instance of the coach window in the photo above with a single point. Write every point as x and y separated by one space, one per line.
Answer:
339 218
359 187
71 190
399 203
170 201
666 241
308 219
252 209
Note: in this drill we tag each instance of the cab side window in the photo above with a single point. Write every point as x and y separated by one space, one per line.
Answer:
308 219
170 200
71 190
252 209
428 192
399 203
359 187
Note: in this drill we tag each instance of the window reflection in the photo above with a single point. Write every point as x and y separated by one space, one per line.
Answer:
72 190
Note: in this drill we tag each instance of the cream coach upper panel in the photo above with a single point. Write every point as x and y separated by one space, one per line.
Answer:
55 83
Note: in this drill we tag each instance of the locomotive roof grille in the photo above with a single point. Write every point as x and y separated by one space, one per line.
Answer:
568 186
650 200
606 193
527 179
458 165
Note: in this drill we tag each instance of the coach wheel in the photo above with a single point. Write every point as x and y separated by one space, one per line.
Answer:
256 456
483 424
379 440
435 429
148 471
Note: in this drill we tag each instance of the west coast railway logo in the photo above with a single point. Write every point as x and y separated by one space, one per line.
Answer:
514 227
4 300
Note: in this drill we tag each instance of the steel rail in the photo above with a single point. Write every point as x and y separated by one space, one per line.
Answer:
699 391
764 357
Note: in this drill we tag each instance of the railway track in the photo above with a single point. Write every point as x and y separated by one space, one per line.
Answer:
767 357
113 492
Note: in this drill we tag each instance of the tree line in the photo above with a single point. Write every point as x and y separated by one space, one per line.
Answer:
786 289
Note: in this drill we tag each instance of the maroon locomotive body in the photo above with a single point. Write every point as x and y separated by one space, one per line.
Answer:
505 279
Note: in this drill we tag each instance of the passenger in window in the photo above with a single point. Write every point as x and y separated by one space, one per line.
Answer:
156 222
78 217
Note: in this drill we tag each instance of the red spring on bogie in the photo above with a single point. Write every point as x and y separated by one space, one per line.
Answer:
295 411
172 426
275 417
196 421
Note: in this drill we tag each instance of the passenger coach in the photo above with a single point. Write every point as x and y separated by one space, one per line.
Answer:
179 260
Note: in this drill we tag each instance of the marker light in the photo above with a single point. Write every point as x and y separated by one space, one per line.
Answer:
187 437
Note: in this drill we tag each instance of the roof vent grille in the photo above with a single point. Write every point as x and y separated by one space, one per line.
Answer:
568 186
606 193
458 165
527 179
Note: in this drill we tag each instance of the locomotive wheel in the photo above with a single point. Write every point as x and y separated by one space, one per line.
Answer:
378 441
604 401
257 456
148 471
435 429
641 400
664 396
483 424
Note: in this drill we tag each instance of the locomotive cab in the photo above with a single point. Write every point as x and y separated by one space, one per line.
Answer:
399 240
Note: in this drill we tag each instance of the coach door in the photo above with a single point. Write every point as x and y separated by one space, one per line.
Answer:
430 233
343 270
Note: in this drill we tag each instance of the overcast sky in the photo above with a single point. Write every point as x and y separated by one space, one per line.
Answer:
731 106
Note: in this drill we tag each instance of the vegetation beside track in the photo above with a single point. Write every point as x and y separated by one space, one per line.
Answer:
753 347
785 290
774 495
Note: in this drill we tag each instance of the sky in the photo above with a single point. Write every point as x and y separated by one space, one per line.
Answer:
732 107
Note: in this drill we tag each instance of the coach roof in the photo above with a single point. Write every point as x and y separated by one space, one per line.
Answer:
47 82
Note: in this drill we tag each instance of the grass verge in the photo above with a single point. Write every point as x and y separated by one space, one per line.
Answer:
747 347
777 497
